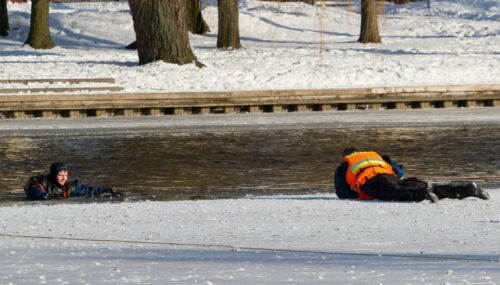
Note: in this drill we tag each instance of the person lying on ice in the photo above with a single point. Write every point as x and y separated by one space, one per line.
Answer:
56 185
368 175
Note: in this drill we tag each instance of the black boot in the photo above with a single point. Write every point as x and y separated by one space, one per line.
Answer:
478 192
459 190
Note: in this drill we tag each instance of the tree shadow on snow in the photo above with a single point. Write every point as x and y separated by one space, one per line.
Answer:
71 39
83 62
406 52
442 36
267 9
267 21
110 62
61 35
257 40
25 53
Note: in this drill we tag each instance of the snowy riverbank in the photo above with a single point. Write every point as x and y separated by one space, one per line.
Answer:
331 242
286 46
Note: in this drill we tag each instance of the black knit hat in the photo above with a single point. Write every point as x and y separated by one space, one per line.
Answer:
56 167
349 150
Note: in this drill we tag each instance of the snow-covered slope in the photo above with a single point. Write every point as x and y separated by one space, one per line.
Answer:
287 45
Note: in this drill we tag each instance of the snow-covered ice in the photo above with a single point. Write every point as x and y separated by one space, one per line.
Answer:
229 122
329 241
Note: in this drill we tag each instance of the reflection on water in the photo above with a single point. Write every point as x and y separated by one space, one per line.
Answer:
161 165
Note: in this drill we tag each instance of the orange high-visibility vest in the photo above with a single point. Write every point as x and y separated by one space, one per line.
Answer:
364 166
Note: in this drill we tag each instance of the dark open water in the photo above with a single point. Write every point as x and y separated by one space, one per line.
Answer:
161 165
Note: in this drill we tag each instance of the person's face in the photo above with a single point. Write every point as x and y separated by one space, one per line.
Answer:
62 177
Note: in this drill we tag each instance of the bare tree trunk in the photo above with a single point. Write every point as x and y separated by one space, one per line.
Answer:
229 30
369 26
39 35
195 22
161 32
4 19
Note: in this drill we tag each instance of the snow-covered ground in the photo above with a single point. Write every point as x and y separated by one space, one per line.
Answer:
324 241
287 45
313 239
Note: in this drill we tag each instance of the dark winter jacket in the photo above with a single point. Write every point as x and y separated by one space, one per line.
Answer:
42 187
343 189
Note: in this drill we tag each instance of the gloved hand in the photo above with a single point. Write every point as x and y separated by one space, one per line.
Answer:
109 192
117 194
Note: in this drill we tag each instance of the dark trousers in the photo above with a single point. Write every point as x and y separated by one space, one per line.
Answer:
391 188
457 190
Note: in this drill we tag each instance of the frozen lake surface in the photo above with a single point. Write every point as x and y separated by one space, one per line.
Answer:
279 154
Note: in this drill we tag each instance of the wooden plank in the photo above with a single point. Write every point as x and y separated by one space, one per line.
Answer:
229 110
48 114
350 106
154 112
179 111
401 105
255 109
302 108
278 109
326 107
101 113
18 114
75 113
205 110
129 112
471 103
449 104
425 105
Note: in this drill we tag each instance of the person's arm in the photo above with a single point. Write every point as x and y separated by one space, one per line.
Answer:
342 189
34 189
77 189
397 168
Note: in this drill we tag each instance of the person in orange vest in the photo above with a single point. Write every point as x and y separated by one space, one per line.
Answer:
368 175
